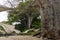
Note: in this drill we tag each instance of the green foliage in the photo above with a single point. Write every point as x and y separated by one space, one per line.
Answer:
36 23
1 28
20 27
22 11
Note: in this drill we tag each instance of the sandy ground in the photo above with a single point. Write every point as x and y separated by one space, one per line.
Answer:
19 38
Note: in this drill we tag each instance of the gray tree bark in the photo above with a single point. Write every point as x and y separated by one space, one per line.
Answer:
30 18
50 13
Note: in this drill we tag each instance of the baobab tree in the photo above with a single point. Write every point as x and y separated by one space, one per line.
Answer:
50 18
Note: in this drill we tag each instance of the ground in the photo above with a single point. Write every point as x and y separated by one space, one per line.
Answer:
19 38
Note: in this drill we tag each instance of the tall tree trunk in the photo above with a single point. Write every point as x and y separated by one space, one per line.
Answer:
29 21
50 13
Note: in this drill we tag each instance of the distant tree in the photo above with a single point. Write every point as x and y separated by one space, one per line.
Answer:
24 12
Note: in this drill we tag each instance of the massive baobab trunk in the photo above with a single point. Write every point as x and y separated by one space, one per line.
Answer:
50 13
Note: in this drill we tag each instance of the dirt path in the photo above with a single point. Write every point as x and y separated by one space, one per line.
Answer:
20 38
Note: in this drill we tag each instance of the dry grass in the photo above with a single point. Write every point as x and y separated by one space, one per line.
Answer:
20 38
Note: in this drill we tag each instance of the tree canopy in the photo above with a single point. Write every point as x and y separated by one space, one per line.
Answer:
27 14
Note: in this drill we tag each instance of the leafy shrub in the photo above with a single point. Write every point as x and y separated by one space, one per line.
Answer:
1 28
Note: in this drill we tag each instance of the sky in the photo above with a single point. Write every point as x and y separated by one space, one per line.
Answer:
4 14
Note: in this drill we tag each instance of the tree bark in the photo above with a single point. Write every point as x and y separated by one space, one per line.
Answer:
50 13
29 21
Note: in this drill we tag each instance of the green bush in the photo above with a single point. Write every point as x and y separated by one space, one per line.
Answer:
36 23
20 27
1 28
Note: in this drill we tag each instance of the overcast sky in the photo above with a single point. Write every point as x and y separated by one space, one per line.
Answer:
4 14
